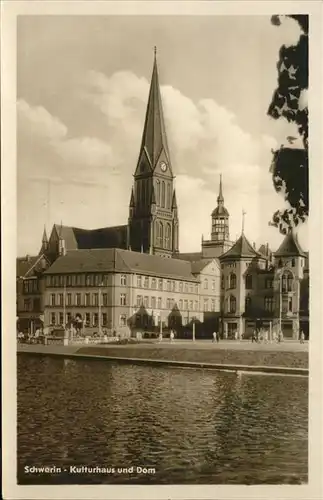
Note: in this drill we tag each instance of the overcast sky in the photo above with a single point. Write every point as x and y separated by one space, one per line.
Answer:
82 89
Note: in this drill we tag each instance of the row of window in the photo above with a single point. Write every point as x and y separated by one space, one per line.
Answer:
90 319
97 280
96 299
87 299
269 304
182 305
31 286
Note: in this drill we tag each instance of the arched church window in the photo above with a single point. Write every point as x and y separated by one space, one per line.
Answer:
163 194
160 233
232 304
232 281
168 196
158 192
167 236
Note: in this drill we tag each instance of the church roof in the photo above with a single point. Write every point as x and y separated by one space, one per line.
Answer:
154 135
241 248
106 237
290 247
118 260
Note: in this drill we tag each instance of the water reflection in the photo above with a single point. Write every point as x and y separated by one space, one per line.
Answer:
192 426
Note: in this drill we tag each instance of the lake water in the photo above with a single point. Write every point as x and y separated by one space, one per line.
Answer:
187 426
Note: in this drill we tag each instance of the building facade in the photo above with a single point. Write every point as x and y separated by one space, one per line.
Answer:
123 291
133 276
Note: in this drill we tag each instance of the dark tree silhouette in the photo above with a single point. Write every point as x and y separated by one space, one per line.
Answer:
289 166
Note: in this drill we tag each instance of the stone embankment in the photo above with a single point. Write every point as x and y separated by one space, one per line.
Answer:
288 359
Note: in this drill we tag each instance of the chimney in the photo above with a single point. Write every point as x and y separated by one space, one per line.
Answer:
267 249
254 245
28 258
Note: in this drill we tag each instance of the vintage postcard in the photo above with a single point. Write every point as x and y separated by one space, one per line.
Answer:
162 213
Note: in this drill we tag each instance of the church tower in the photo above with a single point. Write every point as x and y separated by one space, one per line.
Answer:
220 237
153 217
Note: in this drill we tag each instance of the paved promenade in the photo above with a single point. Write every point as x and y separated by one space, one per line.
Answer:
288 358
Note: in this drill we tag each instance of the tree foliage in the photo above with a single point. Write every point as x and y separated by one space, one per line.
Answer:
290 165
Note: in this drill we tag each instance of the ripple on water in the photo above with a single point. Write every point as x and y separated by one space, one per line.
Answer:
193 426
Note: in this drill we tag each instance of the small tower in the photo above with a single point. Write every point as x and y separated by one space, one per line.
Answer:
44 246
61 242
238 265
220 237
289 273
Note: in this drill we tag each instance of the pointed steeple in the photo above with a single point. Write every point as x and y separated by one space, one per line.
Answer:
44 246
174 202
44 238
154 135
220 210
132 199
220 198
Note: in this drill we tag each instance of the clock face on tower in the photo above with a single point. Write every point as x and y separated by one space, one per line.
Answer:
163 166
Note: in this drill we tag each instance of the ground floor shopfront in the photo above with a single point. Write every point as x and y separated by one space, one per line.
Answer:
291 328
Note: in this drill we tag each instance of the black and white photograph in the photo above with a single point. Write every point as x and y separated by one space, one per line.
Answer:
164 273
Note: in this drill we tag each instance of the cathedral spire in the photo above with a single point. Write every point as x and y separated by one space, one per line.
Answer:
174 202
132 199
154 138
220 197
44 238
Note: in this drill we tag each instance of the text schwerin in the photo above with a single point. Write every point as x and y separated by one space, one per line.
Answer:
85 469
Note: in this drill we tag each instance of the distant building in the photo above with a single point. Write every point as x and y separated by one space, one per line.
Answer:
133 276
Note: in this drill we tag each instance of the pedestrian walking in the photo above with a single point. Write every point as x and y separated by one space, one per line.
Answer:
171 336
302 337
217 336
214 339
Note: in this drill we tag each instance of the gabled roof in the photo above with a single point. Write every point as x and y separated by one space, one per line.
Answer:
154 135
290 247
27 267
80 239
24 264
241 248
199 265
118 260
